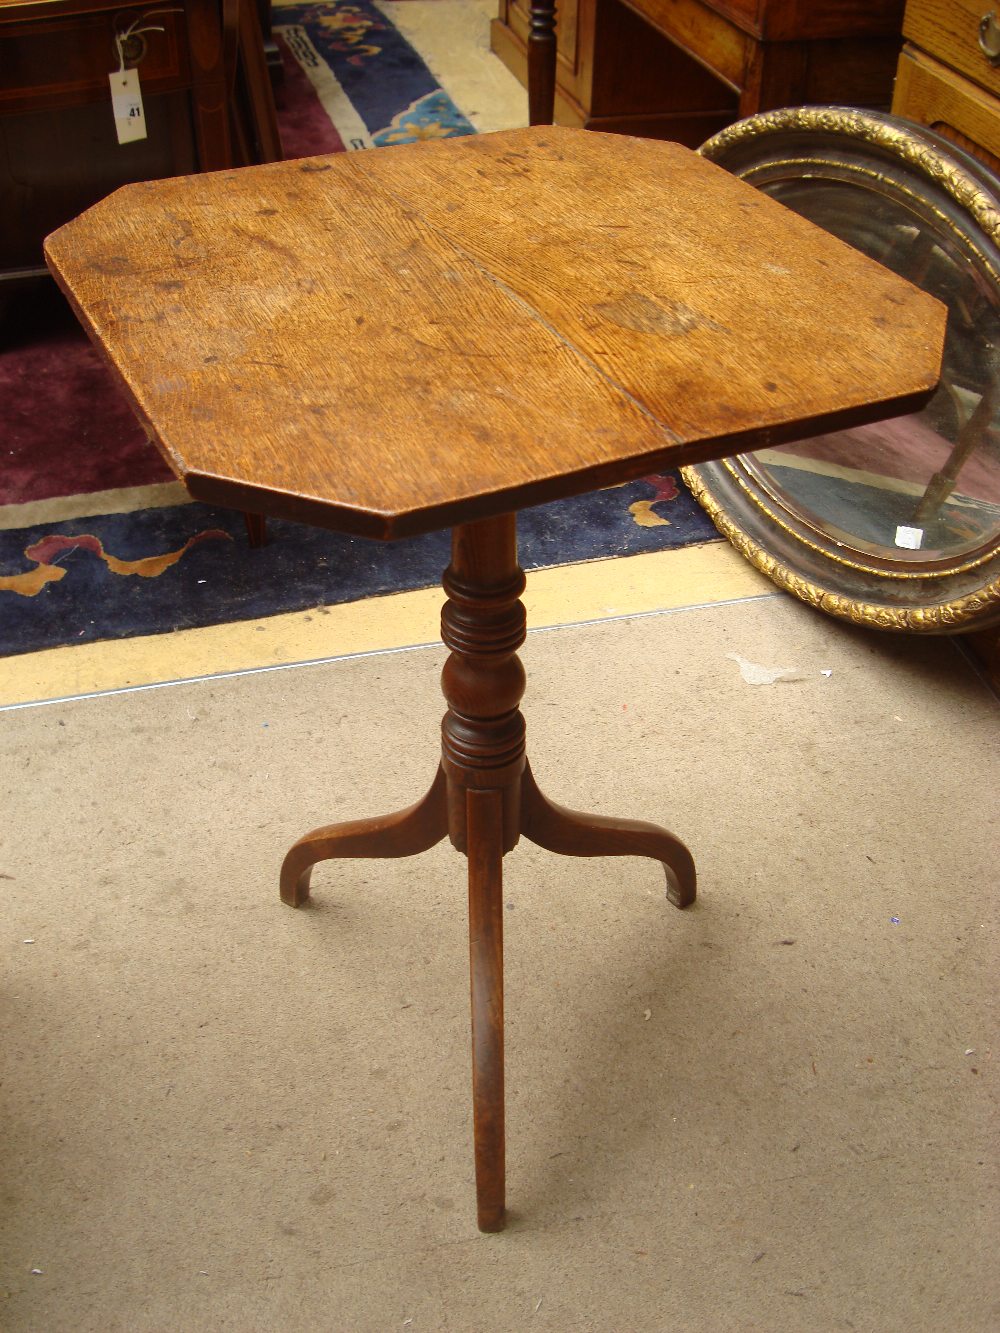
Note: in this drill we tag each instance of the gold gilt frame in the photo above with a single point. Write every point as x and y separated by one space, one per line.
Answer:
952 596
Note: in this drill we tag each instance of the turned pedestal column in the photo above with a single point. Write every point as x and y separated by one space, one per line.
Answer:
484 797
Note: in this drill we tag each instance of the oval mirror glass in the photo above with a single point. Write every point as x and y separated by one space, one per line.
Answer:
896 524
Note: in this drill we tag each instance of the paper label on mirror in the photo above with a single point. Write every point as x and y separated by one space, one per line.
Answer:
126 103
910 539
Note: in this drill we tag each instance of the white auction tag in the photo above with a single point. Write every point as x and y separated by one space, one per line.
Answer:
910 539
126 103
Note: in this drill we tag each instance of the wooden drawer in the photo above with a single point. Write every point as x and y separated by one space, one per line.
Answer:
745 13
704 33
949 31
811 20
65 61
933 95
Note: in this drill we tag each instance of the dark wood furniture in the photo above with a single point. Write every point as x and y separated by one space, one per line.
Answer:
272 56
388 343
684 69
206 97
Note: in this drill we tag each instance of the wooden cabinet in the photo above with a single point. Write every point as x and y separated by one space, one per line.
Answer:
682 69
206 101
945 79
616 72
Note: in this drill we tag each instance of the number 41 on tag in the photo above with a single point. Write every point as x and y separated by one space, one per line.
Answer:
126 103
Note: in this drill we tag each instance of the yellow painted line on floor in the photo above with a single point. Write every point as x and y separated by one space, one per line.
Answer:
90 504
639 584
597 590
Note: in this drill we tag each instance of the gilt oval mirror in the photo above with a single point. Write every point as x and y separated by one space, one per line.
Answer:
897 524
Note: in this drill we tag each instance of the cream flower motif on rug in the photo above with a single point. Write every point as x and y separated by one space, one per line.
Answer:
433 116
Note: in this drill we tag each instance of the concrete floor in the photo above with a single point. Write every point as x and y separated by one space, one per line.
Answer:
775 1111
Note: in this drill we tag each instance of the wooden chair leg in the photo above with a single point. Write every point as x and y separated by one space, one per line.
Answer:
256 94
485 843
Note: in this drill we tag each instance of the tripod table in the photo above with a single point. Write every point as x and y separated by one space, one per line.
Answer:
437 335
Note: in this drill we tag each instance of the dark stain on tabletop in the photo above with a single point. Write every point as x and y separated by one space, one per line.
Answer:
644 315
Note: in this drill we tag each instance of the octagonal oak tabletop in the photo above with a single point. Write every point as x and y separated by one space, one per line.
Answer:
400 340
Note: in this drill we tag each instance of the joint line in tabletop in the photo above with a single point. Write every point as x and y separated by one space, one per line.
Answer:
518 299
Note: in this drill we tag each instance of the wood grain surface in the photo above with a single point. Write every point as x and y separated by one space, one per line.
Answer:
949 29
933 94
394 341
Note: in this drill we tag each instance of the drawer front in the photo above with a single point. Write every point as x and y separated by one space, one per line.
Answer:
61 61
811 20
745 13
720 45
934 95
949 31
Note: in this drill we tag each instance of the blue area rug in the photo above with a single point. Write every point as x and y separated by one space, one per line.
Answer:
390 89
157 570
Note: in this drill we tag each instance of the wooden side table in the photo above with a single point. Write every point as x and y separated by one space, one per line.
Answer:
437 335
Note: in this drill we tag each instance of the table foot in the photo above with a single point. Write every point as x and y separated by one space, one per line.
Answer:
570 833
405 833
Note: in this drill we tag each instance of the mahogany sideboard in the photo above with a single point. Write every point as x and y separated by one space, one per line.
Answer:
684 69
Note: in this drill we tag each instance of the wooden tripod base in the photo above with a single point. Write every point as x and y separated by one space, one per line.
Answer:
484 798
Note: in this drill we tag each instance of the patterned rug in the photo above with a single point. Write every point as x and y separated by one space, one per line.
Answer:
96 539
